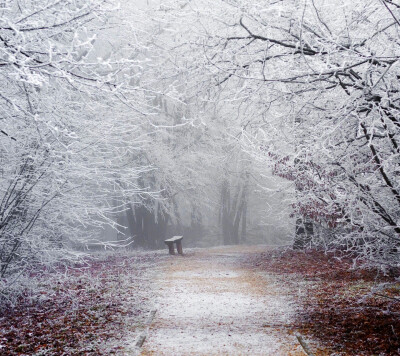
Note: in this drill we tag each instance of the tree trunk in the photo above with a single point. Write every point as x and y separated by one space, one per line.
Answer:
303 234
233 213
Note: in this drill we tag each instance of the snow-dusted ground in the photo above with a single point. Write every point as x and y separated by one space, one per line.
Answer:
209 304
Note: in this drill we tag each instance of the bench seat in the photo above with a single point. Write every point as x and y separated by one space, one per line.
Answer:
174 240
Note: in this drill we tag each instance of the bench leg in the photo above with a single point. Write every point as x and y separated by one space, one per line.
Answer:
171 249
179 247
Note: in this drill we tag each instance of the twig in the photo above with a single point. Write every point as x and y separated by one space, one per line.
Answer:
140 340
5 133
143 335
391 12
304 345
386 296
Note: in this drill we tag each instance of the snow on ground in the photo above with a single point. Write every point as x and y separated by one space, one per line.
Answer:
209 304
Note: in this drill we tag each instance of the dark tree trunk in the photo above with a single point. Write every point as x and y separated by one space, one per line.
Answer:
233 213
244 222
303 234
147 228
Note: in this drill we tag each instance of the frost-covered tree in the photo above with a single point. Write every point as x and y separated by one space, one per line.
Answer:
319 81
70 120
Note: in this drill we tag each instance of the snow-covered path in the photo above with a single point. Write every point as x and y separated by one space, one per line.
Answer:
209 304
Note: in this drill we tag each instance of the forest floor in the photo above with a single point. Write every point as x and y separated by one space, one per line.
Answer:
235 300
97 308
352 311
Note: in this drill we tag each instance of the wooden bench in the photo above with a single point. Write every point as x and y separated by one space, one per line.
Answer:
170 243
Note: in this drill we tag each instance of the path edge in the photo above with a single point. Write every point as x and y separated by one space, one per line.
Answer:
144 333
